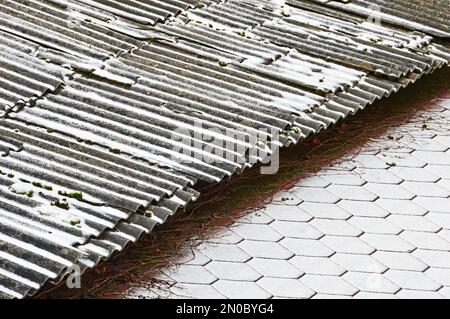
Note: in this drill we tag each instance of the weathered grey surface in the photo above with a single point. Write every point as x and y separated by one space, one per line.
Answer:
94 93
431 16
376 230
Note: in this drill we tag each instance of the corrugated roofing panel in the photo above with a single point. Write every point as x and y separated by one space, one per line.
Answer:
89 168
56 29
431 16
24 76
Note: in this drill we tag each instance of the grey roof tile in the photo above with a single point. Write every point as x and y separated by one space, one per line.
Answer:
357 193
226 237
374 295
294 214
443 139
432 157
402 207
438 171
444 183
241 290
315 195
265 249
337 178
400 261
424 240
306 247
389 191
433 258
347 245
414 223
440 219
435 205
412 280
286 198
363 209
402 160
375 225
155 293
414 175
191 274
257 218
445 292
426 189
296 230
336 227
414 294
439 275
445 233
333 297
359 263
314 182
380 176
325 211
428 145
371 282
196 258
257 232
223 252
388 243
195 291
369 161
331 285
232 271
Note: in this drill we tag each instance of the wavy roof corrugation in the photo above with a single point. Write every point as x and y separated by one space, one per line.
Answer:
146 12
24 76
90 167
431 16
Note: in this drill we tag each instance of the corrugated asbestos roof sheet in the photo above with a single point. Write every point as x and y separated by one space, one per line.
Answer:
96 96
430 16
24 76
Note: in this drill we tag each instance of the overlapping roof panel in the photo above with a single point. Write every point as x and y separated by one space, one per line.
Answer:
24 77
431 16
147 12
94 162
